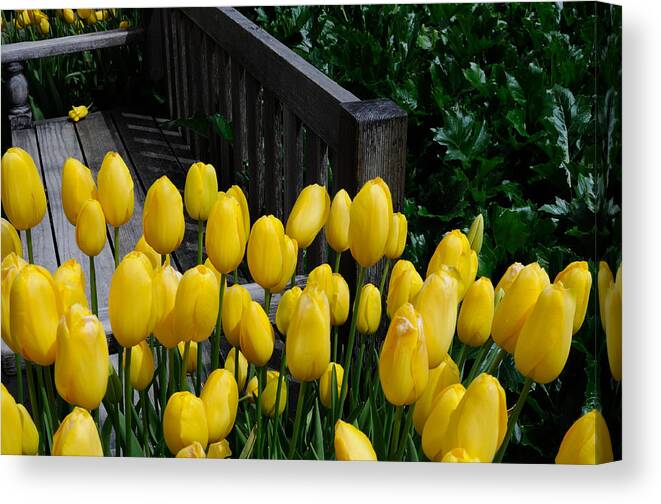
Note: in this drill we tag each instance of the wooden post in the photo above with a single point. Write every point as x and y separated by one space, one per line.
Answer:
16 87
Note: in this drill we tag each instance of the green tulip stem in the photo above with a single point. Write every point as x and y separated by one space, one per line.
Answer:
172 385
404 435
394 437
359 371
19 376
144 406
384 275
47 407
283 366
164 257
28 238
50 389
260 390
267 301
338 256
514 417
116 242
215 343
182 376
120 372
335 336
200 235
495 361
34 403
128 401
95 414
352 337
236 366
95 303
198 370
460 358
478 361
162 378
297 421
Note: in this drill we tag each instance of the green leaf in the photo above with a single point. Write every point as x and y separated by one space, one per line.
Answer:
560 207
250 444
476 76
516 92
222 126
511 228
464 137
318 433
517 118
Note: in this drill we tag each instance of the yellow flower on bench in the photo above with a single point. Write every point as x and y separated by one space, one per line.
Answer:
78 112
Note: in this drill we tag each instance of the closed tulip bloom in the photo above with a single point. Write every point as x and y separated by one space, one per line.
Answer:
12 427
286 307
440 377
78 186
131 307
476 314
290 257
543 345
479 422
352 444
230 363
165 284
508 277
235 302
454 250
196 304
11 265
236 193
369 222
339 301
220 396
35 331
225 240
219 450
325 383
193 450
403 363
200 191
397 237
513 310
23 195
404 285
434 444
308 336
459 455
476 233
191 363
11 242
604 281
77 436
163 216
115 189
142 366
256 336
437 304
266 251
308 215
29 432
337 225
91 228
578 279
184 422
613 314
68 16
70 282
269 393
216 273
153 256
81 367
369 310
586 442
321 278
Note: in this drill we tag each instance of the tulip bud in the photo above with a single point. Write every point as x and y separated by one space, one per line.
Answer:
351 444
163 216
436 426
397 237
191 363
220 396
78 186
11 440
337 225
184 422
235 302
476 234
153 256
256 336
70 282
577 278
35 331
325 383
29 433
403 363
11 265
23 195
321 278
131 307
437 305
68 16
543 344
339 301
230 365
586 442
84 13
459 455
77 436
269 393
613 314
196 304
200 191
11 242
404 285
513 310
225 240
369 310
166 282
290 256
508 278
476 314
194 450
440 377
216 273
115 189
266 251
236 193
142 366
308 215
286 308
219 450
308 336
91 228
81 367
369 222
114 391
604 282
454 250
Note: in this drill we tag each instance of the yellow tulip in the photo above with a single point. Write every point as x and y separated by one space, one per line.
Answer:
219 450
476 233
256 336
194 450
77 436
586 442
153 256
437 304
290 256
269 393
200 191
286 307
91 228
81 367
29 433
196 304
11 242
22 19
513 310
459 455
78 186
369 310
43 26
11 265
613 314
325 383
84 13
397 237
308 215
142 366
308 336
35 331
266 251
235 302
440 377
604 282
454 250
11 440
337 225
339 301
191 363
220 396
216 273
230 365
225 238
369 222
404 285
403 363
115 189
124 24
352 444
236 193
68 16
184 422
479 422
78 112
436 426
578 279
165 284
543 344
508 277
321 278
163 216
476 314
131 307
23 196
